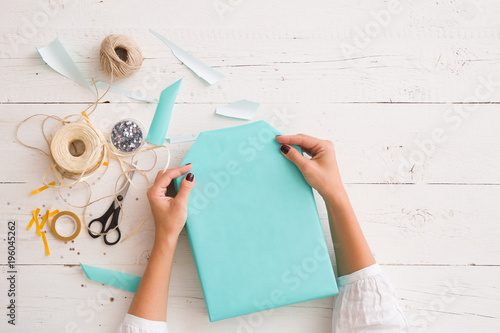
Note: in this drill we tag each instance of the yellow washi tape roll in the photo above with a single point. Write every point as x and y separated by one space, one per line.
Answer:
77 222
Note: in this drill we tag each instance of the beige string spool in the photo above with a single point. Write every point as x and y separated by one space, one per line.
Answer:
120 56
77 149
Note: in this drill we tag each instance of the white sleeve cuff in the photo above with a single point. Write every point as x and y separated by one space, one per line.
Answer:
134 324
359 275
367 302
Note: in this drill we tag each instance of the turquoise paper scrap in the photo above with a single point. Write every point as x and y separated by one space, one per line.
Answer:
56 56
115 279
161 120
130 94
242 109
204 71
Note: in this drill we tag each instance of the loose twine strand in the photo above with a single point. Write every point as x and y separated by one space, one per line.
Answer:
97 151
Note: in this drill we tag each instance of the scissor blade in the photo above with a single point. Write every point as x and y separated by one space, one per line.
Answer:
123 192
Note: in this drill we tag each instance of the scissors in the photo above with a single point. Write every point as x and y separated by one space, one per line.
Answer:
113 212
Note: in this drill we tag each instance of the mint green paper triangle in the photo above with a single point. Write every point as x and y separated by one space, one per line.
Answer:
112 278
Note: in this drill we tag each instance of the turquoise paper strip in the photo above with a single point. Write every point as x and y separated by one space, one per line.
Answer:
161 120
115 279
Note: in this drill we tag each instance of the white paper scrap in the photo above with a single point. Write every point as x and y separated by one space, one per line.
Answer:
180 139
204 71
242 109
56 56
131 94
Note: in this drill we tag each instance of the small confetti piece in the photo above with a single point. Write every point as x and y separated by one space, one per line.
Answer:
35 213
53 212
44 219
47 252
43 188
86 117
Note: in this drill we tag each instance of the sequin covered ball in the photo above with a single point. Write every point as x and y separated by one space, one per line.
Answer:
127 136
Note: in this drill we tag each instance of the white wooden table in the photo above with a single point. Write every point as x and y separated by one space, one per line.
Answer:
407 98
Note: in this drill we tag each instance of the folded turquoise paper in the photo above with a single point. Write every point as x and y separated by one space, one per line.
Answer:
112 278
159 125
253 225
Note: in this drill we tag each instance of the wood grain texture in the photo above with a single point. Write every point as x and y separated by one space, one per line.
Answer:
435 299
376 143
413 113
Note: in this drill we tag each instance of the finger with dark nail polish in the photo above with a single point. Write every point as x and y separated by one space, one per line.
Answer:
190 177
285 149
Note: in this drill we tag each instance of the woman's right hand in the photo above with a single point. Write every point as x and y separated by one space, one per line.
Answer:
321 171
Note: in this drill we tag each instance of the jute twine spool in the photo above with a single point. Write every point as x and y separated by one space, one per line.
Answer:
78 149
120 56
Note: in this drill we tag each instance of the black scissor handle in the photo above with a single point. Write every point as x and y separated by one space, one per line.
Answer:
91 233
113 226
117 238
103 220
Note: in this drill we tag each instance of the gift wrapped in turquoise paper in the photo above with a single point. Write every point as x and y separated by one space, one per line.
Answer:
253 225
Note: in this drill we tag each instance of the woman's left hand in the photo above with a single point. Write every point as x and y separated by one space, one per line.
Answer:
170 213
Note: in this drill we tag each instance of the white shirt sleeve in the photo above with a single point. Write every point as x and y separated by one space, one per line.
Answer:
367 302
133 324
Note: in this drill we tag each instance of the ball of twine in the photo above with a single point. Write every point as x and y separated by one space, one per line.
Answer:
120 56
78 149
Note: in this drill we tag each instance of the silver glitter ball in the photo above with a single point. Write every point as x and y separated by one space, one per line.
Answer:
127 135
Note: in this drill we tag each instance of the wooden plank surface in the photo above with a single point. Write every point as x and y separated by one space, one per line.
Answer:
412 108
427 224
435 299
376 143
